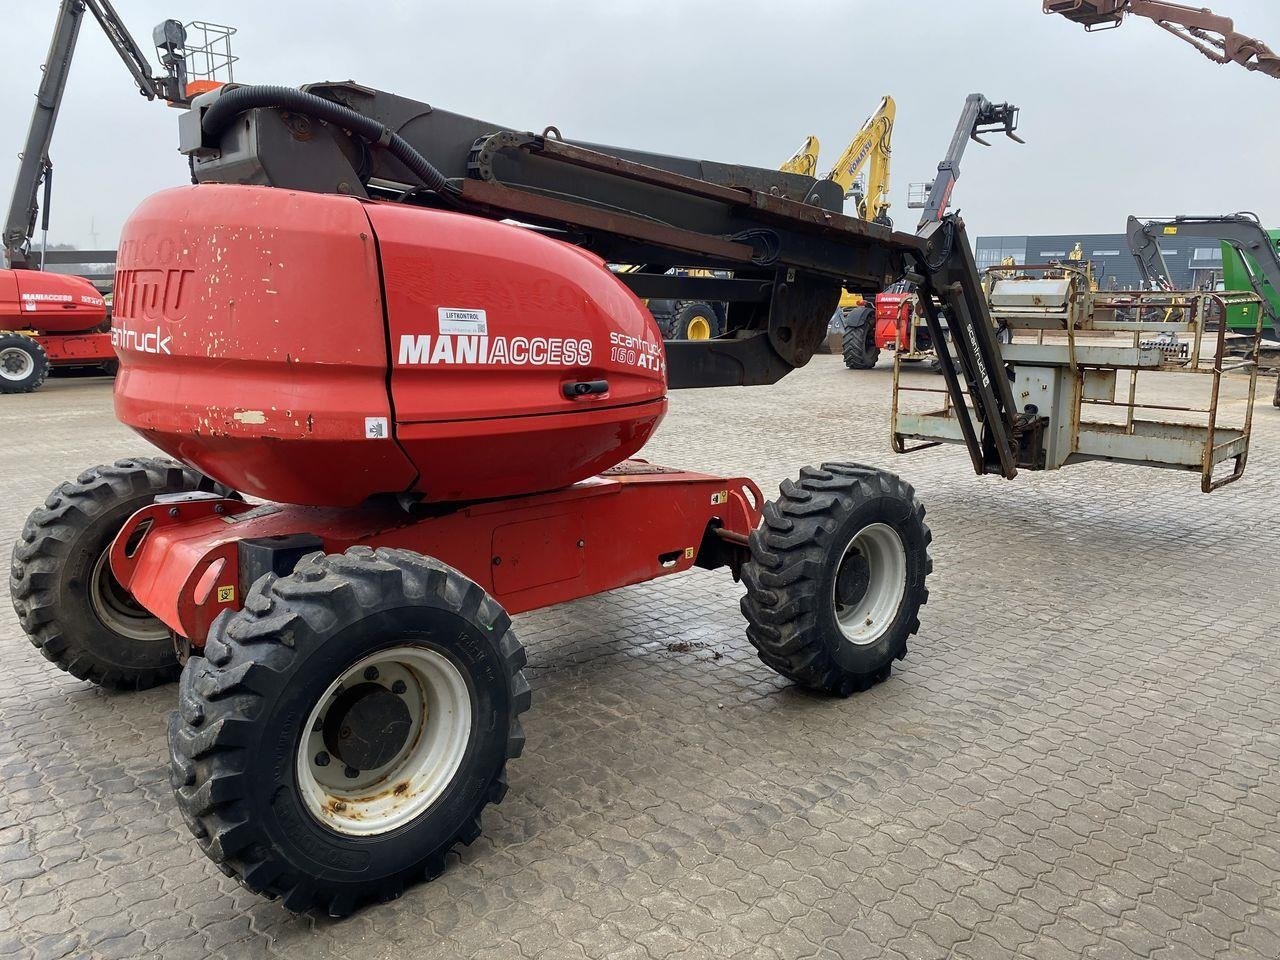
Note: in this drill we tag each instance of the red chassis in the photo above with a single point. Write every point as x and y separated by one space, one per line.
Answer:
183 558
71 349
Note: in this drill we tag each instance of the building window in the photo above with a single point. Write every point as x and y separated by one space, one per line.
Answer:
1106 253
1053 253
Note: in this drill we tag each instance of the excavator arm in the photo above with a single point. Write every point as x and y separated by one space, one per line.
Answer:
1213 35
1243 232
869 150
805 161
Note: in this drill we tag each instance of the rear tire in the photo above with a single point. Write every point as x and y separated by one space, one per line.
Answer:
24 365
322 676
860 350
836 577
66 598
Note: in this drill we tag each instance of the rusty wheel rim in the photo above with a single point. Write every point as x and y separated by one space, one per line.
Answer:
385 740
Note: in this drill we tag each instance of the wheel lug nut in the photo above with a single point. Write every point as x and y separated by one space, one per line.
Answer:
371 673
322 759
398 688
351 773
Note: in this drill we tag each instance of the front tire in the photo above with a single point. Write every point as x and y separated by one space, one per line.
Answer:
24 365
836 577
859 342
347 728
71 606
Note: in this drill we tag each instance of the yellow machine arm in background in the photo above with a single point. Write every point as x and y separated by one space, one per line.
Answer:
805 162
869 150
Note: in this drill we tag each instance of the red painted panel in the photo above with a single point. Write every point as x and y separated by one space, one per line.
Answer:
252 344
49 302
77 348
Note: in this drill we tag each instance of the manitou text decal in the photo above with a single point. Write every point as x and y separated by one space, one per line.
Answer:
141 341
494 351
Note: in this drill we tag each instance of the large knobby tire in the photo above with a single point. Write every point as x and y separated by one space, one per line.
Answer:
386 665
67 599
693 320
859 341
24 365
836 577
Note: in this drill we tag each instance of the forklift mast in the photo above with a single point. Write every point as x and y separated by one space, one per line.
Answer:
781 248
1243 232
35 166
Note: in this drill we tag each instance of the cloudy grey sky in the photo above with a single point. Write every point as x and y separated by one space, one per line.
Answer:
1126 121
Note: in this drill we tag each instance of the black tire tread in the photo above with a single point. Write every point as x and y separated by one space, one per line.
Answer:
858 341
220 693
46 539
788 553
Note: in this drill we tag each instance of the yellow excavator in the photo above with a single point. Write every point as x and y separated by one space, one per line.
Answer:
805 162
871 150
868 153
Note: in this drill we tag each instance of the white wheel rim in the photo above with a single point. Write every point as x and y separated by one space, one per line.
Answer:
877 556
382 798
16 364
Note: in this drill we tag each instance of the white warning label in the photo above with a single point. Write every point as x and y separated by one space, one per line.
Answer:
455 320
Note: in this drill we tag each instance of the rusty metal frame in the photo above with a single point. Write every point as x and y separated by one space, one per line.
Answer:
1212 358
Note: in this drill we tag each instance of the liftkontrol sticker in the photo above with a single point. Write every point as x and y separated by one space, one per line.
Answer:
457 320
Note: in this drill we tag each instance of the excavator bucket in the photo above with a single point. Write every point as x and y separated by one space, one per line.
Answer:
1091 14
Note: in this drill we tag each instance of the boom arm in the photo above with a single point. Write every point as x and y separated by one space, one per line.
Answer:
1242 231
805 161
978 117
35 165
870 148
780 236
1213 35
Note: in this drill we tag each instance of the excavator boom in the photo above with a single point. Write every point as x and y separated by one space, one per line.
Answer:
1213 35
869 150
1243 232
805 161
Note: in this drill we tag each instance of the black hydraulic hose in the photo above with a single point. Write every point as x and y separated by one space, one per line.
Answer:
242 99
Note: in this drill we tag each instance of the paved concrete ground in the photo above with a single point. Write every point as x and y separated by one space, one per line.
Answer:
1078 757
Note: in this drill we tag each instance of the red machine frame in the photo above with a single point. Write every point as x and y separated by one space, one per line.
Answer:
68 349
180 557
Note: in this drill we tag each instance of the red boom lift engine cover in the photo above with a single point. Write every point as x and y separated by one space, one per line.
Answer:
49 302
320 350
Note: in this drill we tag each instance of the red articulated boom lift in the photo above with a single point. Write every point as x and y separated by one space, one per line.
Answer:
59 320
442 411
